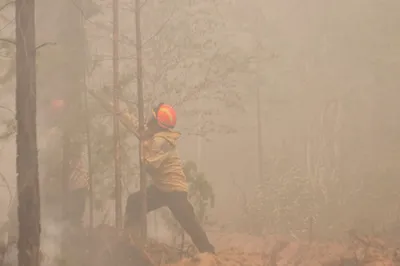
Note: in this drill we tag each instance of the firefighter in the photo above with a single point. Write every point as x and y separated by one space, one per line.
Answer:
169 187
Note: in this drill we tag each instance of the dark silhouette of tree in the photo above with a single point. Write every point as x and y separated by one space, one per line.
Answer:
116 134
139 66
27 153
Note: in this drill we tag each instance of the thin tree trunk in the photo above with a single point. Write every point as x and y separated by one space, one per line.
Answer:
66 172
199 137
89 158
27 153
259 139
143 181
117 144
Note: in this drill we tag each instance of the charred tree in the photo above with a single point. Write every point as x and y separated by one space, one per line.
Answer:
139 65
116 92
61 75
27 152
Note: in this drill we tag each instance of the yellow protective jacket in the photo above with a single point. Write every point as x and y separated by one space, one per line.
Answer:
163 162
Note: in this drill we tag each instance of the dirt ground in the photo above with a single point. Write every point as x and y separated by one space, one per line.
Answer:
106 246
241 249
276 252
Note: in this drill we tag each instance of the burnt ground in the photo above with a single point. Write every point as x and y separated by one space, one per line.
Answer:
106 246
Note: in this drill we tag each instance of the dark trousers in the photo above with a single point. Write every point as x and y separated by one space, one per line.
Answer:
180 207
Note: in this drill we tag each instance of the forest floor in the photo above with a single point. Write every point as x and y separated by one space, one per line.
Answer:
105 247
242 249
237 250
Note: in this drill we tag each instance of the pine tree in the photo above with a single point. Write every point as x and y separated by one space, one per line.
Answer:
27 153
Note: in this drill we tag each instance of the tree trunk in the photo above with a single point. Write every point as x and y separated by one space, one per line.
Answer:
61 75
143 181
260 152
72 40
117 144
89 159
27 153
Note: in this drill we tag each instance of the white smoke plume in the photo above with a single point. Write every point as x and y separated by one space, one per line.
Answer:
50 245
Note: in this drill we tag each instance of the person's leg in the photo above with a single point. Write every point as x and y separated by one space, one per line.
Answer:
155 200
183 211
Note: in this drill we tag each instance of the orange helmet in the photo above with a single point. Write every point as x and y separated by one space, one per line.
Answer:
165 116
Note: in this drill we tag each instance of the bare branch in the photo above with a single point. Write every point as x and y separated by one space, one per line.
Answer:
7 4
195 91
45 44
8 109
80 9
8 40
92 68
161 27
143 4
4 179
9 73
201 85
8 24
126 119
109 57
126 40
244 200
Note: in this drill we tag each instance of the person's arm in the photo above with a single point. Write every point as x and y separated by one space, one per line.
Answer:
157 153
127 119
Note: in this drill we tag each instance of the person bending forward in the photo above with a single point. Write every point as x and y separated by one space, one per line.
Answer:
169 187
